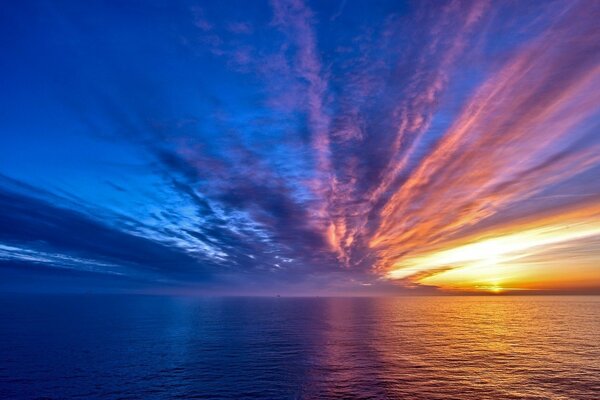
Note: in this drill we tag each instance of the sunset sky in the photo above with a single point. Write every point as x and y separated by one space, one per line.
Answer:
296 147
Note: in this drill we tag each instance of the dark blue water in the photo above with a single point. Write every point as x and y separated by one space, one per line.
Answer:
120 347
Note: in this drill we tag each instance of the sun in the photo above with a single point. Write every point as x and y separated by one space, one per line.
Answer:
495 289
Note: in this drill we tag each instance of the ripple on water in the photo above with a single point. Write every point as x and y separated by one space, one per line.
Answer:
303 348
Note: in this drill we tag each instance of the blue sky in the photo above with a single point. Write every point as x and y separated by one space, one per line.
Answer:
298 147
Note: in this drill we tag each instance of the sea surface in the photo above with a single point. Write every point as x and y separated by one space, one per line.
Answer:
144 347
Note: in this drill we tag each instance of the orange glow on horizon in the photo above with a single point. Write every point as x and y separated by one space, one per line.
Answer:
519 256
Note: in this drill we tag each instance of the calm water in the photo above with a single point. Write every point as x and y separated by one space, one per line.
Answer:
276 348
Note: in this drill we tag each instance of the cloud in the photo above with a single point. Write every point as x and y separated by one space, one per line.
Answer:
41 232
510 141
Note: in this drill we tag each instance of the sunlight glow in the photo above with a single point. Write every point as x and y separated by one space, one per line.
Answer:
485 262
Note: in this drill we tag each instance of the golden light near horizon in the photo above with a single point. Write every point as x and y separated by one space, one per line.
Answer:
497 261
495 289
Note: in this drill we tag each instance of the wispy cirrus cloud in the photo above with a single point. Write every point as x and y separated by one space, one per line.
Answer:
519 134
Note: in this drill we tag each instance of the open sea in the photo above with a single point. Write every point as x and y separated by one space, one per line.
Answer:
145 347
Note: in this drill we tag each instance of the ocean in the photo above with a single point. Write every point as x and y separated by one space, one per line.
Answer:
152 347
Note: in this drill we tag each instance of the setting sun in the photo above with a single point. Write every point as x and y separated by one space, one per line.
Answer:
504 254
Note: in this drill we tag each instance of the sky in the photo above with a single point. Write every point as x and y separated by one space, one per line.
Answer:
300 147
